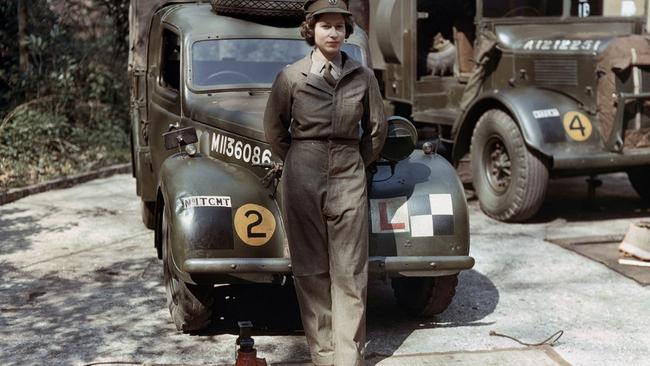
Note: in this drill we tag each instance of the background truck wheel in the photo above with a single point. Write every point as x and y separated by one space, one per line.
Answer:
640 179
286 13
424 296
149 214
189 305
509 180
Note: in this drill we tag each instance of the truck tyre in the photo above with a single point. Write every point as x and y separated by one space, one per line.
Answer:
640 179
510 182
286 13
424 296
149 214
189 305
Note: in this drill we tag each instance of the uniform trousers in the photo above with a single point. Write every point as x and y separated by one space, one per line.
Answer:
326 217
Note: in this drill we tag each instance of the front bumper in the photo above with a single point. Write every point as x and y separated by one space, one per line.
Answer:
420 265
602 162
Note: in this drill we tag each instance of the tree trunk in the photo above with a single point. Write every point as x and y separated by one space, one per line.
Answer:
23 52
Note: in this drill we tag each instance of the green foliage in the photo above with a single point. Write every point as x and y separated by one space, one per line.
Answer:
39 144
68 111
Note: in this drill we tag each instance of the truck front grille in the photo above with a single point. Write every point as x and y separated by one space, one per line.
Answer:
556 72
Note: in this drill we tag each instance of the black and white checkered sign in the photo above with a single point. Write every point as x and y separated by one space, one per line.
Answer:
431 215
422 216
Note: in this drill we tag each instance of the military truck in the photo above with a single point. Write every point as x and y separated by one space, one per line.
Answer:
539 89
200 78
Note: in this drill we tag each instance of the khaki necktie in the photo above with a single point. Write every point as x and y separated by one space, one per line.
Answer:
327 74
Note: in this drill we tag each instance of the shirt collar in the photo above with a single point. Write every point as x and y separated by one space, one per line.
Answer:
319 60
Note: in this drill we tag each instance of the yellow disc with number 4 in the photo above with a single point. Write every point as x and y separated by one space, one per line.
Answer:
254 224
577 126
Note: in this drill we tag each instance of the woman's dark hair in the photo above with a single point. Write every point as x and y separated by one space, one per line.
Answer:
307 27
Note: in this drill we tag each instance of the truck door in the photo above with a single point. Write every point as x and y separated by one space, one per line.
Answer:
163 84
393 43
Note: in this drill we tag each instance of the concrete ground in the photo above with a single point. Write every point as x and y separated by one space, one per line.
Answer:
81 284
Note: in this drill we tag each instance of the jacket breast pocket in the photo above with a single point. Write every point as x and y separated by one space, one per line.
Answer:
354 95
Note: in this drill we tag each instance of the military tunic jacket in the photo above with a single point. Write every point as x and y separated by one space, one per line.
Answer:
303 106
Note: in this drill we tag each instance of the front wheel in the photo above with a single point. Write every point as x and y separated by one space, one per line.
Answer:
424 296
640 179
510 181
189 305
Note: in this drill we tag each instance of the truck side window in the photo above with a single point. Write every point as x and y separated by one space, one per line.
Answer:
170 61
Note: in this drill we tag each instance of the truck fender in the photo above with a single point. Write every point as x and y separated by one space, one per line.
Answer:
419 209
216 210
538 113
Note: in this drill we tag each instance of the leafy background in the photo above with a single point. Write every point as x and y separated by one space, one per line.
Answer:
67 110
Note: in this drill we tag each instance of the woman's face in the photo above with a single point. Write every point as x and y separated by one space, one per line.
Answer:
329 34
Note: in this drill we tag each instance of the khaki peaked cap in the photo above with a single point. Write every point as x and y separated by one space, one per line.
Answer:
316 7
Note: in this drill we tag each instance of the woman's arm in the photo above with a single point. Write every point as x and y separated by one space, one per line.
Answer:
373 123
277 116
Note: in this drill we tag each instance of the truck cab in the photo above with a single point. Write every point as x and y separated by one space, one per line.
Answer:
534 89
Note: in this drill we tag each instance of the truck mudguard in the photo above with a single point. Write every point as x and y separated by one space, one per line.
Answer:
217 210
551 123
418 210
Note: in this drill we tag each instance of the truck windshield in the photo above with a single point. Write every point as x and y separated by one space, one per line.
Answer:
555 8
232 62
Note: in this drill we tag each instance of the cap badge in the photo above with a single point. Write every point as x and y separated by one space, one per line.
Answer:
333 2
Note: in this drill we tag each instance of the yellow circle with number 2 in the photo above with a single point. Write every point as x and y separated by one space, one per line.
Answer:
254 224
577 126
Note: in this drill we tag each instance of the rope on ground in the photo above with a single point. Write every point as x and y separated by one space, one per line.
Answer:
550 340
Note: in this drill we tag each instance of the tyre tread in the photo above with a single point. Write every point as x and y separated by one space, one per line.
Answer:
425 296
193 311
530 188
445 290
190 305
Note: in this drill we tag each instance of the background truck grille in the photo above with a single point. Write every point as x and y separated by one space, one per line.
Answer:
556 72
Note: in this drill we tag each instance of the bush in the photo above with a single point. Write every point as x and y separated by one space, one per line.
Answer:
37 145
68 111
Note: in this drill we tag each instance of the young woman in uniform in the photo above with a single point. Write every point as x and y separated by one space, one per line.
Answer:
325 120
